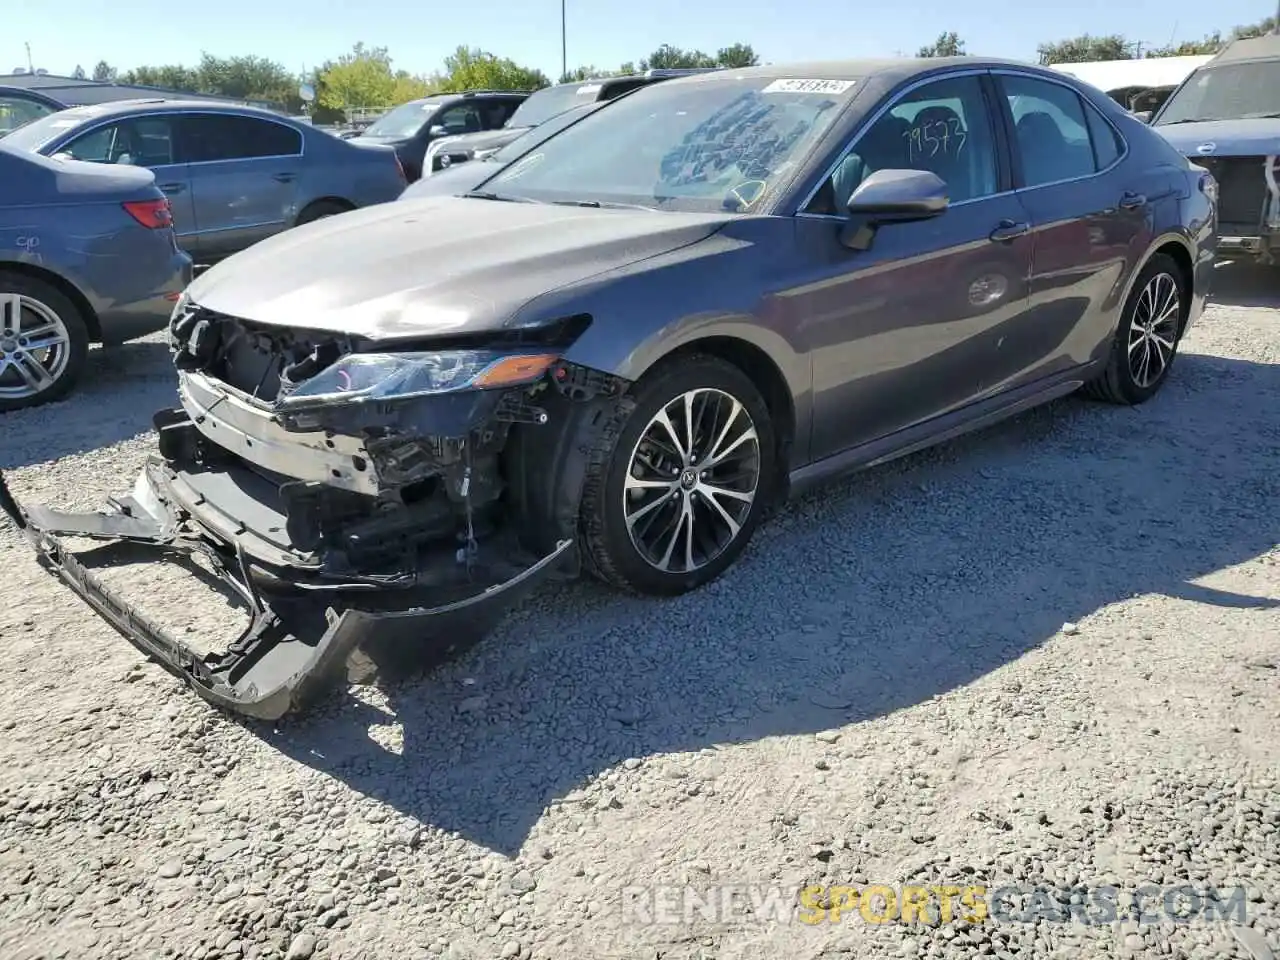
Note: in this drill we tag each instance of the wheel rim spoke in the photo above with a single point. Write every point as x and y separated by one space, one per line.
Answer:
34 347
1152 337
692 479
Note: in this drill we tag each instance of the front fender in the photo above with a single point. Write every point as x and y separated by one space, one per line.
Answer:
729 286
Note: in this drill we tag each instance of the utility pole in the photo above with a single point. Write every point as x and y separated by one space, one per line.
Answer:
564 49
1275 25
31 67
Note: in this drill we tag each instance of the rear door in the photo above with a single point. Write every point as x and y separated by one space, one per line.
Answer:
1089 217
244 177
146 141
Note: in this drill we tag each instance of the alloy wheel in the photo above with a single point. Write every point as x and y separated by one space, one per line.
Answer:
1153 330
691 480
35 347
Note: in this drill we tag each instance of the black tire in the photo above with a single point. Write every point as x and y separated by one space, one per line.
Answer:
321 209
1119 383
47 297
607 546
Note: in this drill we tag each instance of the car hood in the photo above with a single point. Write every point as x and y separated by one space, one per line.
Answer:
1229 138
438 266
484 140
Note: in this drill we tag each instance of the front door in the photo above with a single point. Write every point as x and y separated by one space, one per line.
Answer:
898 332
144 141
244 178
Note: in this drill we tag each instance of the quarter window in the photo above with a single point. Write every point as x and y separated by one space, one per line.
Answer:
943 127
1058 136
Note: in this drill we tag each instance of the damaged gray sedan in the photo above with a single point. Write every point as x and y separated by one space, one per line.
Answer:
619 351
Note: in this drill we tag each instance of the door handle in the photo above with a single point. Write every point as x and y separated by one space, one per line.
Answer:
1132 201
172 187
285 177
1008 230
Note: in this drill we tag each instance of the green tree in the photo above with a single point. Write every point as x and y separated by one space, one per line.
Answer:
361 78
737 55
104 72
948 44
1188 48
470 68
1085 49
248 78
1261 28
668 57
78 73
170 77
578 74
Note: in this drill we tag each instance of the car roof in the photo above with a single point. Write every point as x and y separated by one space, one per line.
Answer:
892 69
466 95
114 108
1265 47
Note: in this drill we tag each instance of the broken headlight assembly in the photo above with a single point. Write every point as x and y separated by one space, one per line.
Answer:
382 377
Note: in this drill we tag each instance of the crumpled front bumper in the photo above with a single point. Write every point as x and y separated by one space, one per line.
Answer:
300 641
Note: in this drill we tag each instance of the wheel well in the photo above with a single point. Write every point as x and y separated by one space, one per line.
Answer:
335 201
764 373
66 288
1178 253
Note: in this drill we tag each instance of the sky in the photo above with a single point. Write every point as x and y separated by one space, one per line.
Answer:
603 33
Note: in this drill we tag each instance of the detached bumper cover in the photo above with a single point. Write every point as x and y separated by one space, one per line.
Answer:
297 643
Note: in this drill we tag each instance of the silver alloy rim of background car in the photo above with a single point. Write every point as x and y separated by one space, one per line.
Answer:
35 347
691 480
1153 331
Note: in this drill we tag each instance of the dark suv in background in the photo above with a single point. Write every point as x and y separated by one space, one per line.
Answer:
541 106
412 127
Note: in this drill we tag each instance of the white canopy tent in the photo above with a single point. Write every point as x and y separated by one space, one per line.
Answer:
1148 72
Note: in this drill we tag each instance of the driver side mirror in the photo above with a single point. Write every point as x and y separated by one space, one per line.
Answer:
437 130
1143 115
892 196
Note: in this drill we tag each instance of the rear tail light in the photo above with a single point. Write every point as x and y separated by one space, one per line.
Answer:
152 214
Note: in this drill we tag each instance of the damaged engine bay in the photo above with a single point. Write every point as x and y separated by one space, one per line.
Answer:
373 510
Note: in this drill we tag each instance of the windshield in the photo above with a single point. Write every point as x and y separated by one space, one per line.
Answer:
1233 91
550 101
527 141
403 121
707 145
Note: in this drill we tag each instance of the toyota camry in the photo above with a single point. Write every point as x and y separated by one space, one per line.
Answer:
617 353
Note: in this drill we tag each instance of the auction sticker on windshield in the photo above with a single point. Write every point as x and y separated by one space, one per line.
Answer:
808 86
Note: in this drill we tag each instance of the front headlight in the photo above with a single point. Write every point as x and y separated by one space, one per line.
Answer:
360 378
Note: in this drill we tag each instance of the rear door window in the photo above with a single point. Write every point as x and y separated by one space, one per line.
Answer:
210 137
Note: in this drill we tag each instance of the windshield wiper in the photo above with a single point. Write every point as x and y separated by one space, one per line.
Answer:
489 195
601 205
1170 123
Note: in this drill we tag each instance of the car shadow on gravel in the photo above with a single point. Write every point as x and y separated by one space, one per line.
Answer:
121 388
893 587
1246 285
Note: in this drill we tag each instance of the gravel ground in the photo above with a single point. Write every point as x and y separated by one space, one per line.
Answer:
1045 655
